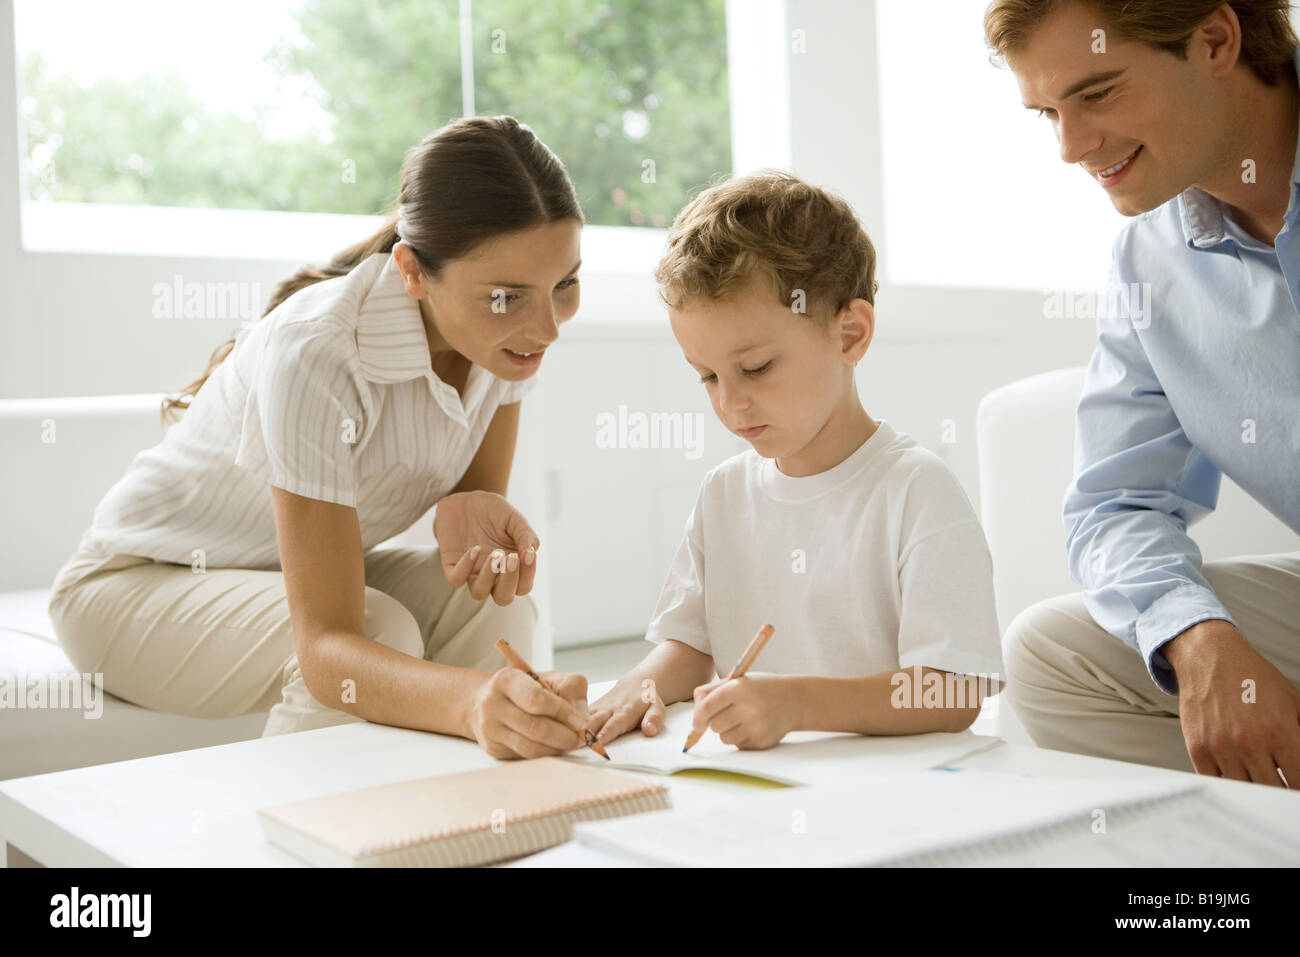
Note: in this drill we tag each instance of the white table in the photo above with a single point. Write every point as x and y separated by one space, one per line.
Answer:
197 808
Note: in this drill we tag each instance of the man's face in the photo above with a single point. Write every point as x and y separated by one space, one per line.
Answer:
1144 124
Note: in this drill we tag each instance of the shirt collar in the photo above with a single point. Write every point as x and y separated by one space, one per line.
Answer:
1202 218
392 344
1201 214
391 340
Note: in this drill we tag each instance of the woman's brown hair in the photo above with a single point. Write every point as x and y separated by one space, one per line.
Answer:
471 180
1268 39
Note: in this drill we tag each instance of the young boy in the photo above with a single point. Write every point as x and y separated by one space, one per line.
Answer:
857 545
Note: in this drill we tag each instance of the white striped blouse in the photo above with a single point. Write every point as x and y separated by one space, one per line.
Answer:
331 396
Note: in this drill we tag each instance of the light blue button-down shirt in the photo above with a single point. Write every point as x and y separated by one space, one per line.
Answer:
1196 375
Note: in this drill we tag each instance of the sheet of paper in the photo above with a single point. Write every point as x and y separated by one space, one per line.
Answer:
802 757
878 821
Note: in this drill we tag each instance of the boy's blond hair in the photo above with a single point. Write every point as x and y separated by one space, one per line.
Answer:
773 227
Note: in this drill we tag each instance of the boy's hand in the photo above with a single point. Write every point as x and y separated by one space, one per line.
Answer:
752 713
626 705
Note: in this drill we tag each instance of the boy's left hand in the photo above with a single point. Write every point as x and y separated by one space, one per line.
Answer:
753 712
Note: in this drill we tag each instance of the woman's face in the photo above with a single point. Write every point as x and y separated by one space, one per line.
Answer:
501 305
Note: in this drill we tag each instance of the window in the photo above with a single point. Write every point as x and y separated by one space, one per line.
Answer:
191 105
631 95
310 106
975 190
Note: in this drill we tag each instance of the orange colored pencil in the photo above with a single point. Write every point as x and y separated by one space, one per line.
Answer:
517 661
755 646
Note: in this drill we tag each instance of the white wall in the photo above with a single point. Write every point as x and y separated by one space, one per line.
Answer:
81 324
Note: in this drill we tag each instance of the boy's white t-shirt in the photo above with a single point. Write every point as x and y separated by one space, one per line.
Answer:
875 564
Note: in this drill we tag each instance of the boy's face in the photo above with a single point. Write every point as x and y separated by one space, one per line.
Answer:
1132 103
774 376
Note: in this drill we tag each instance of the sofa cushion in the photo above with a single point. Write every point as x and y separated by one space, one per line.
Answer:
103 729
26 612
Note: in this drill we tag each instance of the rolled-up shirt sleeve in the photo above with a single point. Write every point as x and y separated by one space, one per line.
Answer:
1139 483
303 420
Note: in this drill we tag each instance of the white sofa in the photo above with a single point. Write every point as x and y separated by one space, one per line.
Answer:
60 456
1025 440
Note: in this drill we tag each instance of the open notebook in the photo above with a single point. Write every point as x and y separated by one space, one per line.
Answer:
954 818
802 757
457 820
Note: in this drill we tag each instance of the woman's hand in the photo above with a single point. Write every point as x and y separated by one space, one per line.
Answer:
487 543
512 716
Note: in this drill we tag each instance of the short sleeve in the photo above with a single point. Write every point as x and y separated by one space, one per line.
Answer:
680 612
304 415
948 616
514 391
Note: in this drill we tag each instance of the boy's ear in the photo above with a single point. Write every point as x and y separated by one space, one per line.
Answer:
857 324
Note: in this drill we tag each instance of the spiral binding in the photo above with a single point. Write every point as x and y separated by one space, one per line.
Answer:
466 846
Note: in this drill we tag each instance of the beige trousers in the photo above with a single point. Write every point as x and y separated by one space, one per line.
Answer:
219 643
1077 688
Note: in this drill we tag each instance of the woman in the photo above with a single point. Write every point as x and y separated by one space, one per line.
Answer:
369 391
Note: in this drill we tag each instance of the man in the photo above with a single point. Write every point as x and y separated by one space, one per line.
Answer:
1187 114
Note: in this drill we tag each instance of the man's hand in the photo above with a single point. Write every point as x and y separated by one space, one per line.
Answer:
1239 714
485 541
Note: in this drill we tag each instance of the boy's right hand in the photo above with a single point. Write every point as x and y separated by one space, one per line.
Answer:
624 707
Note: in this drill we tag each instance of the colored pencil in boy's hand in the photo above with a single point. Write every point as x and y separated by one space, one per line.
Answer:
517 661
755 646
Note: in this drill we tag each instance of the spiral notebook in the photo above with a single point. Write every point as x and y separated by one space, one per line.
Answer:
954 818
457 820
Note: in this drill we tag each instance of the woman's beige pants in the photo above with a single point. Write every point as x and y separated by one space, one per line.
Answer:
218 643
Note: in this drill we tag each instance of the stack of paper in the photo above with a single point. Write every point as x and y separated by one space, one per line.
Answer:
953 818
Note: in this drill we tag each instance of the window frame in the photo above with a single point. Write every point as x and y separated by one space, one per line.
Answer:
756 55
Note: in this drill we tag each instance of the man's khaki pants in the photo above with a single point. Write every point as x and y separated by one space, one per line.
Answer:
1077 688
219 642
